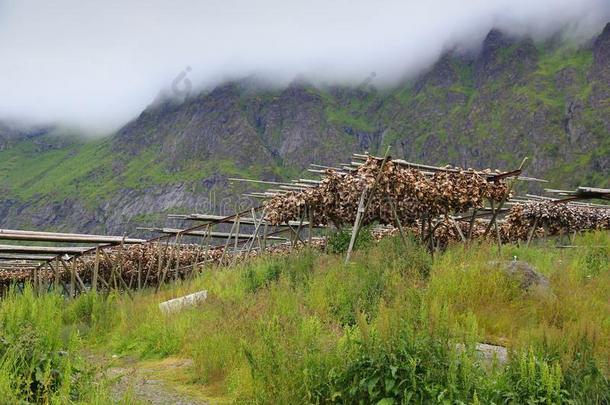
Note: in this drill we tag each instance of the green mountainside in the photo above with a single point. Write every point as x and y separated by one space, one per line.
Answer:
514 98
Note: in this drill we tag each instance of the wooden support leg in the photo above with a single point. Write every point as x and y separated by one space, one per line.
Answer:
178 254
471 226
265 232
493 217
56 271
81 284
140 273
224 251
458 229
33 281
431 235
256 229
72 279
96 269
297 234
398 223
311 216
160 270
359 213
58 280
236 236
532 231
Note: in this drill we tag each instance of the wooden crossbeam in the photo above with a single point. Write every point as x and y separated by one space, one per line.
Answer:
12 234
42 249
216 235
33 257
208 217
490 176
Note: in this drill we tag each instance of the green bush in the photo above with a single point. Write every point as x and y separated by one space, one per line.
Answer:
338 242
38 359
529 379
259 274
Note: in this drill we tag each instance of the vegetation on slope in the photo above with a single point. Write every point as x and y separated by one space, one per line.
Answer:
393 326
88 170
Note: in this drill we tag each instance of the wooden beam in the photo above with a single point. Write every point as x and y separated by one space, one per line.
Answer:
11 234
42 249
208 217
217 235
18 256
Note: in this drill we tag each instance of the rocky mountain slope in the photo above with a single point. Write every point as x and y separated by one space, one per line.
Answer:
549 101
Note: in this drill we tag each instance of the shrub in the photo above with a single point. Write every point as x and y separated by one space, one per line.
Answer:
532 380
37 355
260 273
338 242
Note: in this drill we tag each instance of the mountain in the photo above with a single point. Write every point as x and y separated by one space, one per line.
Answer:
513 98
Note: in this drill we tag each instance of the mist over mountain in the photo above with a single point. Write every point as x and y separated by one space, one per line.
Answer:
98 65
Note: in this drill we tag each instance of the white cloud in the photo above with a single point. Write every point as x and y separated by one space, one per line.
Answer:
98 63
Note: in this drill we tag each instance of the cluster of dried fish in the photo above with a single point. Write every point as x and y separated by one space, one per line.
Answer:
149 261
146 263
13 275
444 231
413 194
553 219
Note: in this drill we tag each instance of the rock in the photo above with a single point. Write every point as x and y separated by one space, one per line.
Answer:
177 304
488 354
491 353
525 273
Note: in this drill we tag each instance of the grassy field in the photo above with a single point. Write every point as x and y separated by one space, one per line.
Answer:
392 327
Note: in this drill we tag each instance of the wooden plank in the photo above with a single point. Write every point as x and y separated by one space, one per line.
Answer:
12 234
32 257
42 249
216 235
207 217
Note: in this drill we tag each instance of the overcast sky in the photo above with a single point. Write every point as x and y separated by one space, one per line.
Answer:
99 63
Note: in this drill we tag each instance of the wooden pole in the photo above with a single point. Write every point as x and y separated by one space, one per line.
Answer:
96 269
265 231
56 272
139 273
256 229
224 252
236 233
178 254
310 225
532 231
81 284
72 279
397 221
356 225
34 280
297 234
471 226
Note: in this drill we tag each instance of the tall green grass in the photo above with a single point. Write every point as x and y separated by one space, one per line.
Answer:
39 354
393 326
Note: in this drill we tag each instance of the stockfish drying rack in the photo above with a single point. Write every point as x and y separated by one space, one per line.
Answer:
106 263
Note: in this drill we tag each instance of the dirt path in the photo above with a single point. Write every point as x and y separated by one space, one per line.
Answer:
156 382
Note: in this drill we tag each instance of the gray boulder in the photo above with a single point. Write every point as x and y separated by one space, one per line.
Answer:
527 276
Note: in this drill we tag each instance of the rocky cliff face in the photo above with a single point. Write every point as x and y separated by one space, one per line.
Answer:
513 98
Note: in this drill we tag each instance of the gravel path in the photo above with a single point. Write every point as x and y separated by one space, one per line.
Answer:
144 383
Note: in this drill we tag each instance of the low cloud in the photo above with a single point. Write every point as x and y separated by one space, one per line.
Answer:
97 64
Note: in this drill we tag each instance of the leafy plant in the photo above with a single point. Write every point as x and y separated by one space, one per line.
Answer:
339 241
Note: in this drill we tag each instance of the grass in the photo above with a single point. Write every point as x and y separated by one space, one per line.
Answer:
307 329
89 171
